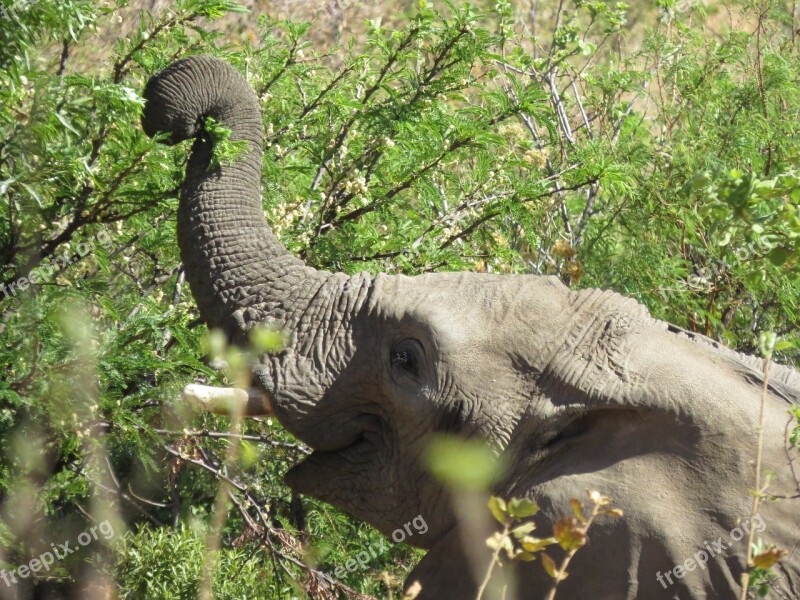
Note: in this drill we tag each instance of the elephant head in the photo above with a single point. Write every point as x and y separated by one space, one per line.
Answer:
578 389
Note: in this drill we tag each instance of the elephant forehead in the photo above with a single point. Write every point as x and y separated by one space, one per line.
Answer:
466 306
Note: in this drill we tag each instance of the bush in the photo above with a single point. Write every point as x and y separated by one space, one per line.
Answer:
165 564
659 160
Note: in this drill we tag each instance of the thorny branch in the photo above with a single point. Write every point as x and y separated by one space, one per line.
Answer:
282 545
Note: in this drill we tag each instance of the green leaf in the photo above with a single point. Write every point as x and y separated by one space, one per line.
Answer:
498 508
225 151
66 123
522 507
521 531
268 339
460 463
249 453
778 256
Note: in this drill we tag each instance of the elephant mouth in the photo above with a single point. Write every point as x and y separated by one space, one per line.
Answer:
339 459
340 435
357 452
356 445
351 440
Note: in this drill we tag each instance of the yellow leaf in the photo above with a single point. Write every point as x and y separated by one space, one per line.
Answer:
532 544
769 557
614 512
550 567
577 508
570 533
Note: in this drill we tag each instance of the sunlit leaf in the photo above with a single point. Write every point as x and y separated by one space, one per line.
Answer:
522 530
570 533
522 507
498 507
769 558
551 569
577 509
597 498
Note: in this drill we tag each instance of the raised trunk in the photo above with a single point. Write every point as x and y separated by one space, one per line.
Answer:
238 271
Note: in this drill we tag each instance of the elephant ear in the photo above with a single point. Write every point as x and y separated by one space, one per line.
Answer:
783 380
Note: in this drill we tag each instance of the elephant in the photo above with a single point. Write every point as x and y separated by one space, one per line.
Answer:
577 389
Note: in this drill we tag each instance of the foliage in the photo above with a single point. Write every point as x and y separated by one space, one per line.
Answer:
164 564
651 149
794 437
762 575
225 151
516 543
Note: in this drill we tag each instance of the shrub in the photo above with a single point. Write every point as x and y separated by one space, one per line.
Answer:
659 160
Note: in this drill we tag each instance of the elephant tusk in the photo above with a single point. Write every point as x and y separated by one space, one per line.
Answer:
251 402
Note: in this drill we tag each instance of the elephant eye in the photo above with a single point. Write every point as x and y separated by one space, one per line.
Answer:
406 357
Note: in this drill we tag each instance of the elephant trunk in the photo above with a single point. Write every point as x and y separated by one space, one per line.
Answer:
238 271
233 261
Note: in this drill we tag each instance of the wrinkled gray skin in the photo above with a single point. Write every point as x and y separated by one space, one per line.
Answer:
580 389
